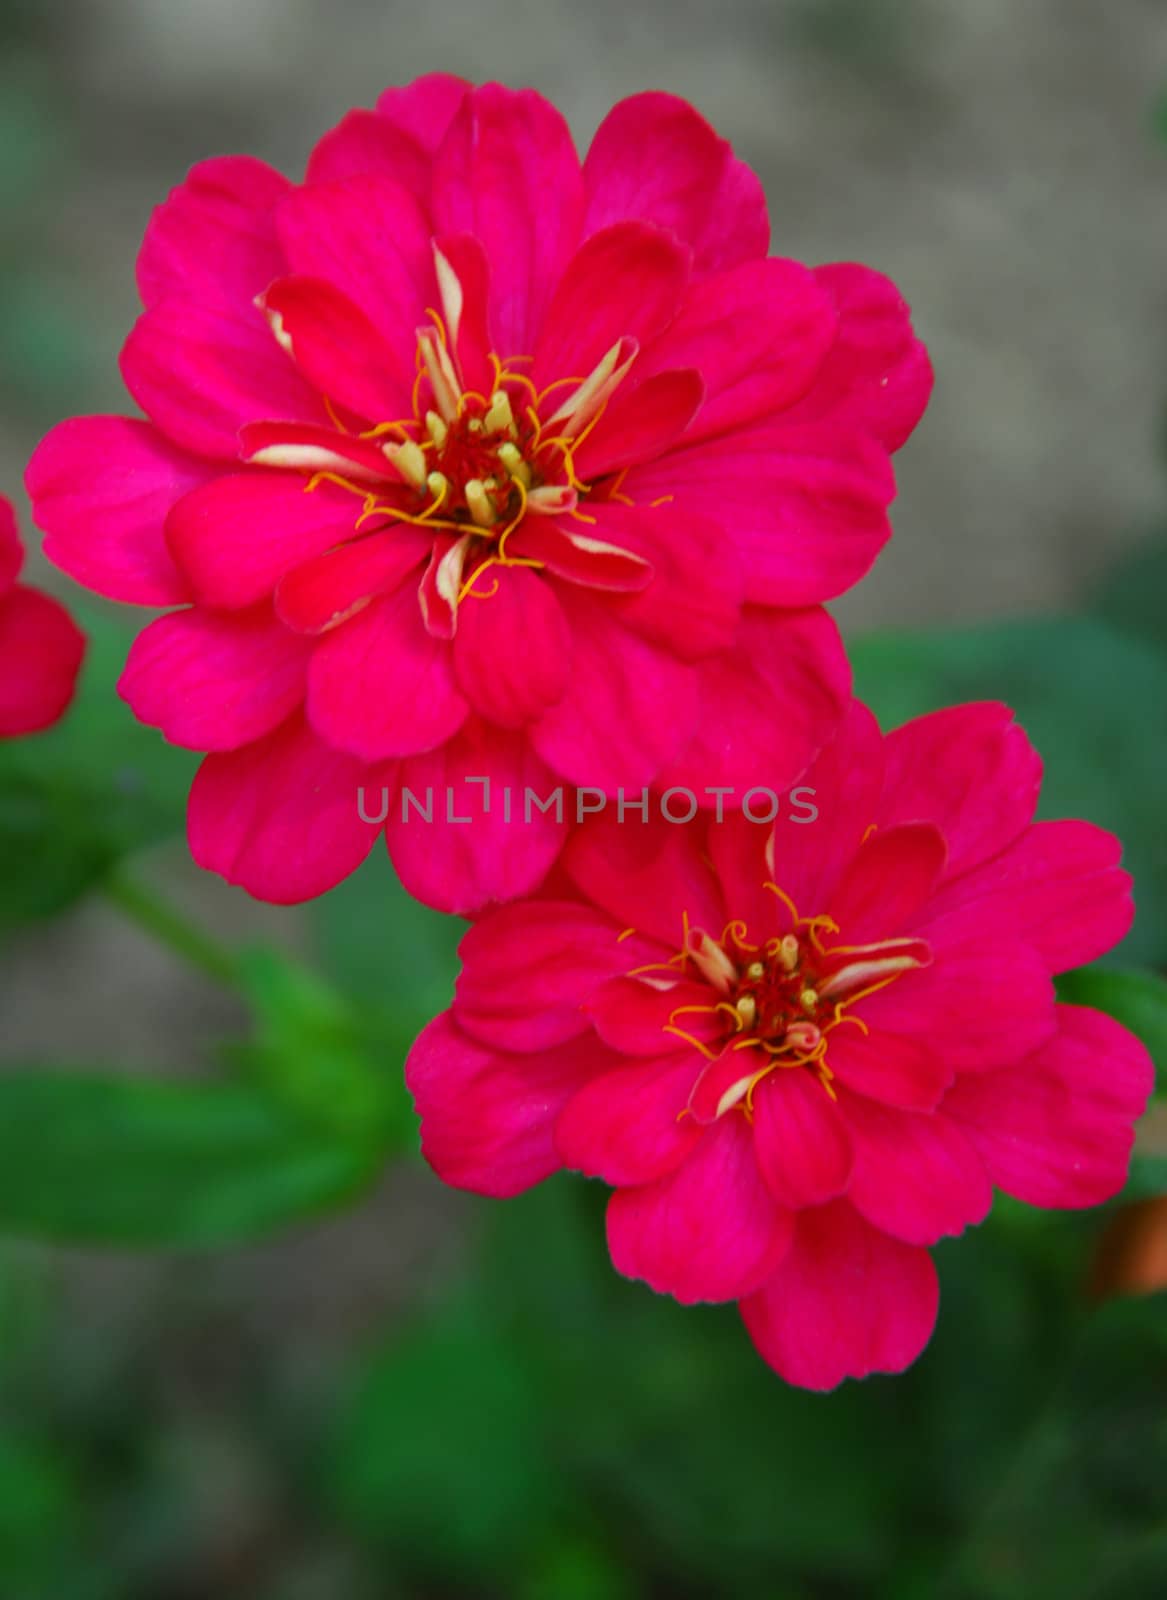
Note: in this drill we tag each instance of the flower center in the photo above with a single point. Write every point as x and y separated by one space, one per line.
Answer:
774 1005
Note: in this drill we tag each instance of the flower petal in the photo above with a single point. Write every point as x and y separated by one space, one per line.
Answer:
807 506
215 680
898 1071
632 1014
101 488
370 239
692 605
512 648
508 173
708 1231
877 376
213 240
655 157
979 1006
847 1301
801 1139
364 144
41 649
200 372
890 878
625 282
757 334
1057 887
916 1174
767 707
650 878
939 768
1057 1128
627 709
338 349
640 423
528 968
11 547
487 1118
235 537
280 817
327 589
628 1125
380 685
496 828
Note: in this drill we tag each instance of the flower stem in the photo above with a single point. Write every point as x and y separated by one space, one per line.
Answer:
162 922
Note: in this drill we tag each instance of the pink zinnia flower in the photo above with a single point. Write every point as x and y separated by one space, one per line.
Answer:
466 459
804 1054
41 647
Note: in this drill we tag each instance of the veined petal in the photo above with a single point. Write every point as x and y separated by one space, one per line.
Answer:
708 1231
507 172
200 372
916 1175
328 589
649 878
801 1139
213 239
640 424
281 817
101 488
890 878
847 1301
627 1125
213 680
512 648
656 157
380 685
338 349
41 649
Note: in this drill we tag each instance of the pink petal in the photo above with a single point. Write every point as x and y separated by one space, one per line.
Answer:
235 537
528 968
692 605
11 548
655 157
738 852
200 372
328 589
843 786
365 144
212 680
339 350
370 239
281 817
469 336
707 1231
629 1125
512 648
625 282
627 709
1057 1128
569 549
847 1301
768 706
640 423
480 847
877 376
916 1174
214 240
807 506
487 1118
1057 887
943 768
101 488
907 1073
890 878
800 1138
380 685
757 334
648 877
979 1006
41 649
424 108
631 1014
508 173
306 447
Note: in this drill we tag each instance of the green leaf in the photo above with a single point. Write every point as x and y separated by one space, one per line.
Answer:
87 1157
76 799
1089 697
1137 999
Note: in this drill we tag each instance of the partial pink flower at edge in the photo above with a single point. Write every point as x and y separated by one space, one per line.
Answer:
802 1055
41 647
463 447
